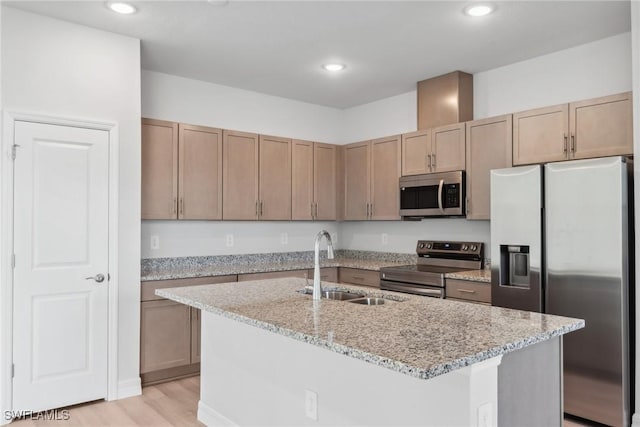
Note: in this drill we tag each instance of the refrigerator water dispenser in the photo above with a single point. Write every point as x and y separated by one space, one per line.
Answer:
514 262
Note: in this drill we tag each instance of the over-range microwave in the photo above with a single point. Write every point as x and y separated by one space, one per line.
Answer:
432 195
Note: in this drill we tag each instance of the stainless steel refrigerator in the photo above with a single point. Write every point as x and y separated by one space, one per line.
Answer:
561 237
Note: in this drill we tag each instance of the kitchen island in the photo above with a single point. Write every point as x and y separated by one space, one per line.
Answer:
271 356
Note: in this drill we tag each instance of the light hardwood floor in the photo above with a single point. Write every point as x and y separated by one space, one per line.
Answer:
172 403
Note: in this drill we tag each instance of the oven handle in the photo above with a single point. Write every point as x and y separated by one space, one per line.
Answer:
440 195
386 285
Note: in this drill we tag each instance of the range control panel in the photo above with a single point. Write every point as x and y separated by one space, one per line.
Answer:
449 249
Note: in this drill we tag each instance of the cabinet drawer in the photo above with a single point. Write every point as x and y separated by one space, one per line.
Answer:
148 291
327 274
360 277
468 290
273 275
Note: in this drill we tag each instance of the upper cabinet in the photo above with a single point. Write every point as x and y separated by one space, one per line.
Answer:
314 177
488 147
440 149
257 177
371 172
579 130
240 176
181 171
275 178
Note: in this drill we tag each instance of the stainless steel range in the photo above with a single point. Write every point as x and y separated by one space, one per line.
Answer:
435 259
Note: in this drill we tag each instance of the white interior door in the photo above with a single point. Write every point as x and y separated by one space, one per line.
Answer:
60 242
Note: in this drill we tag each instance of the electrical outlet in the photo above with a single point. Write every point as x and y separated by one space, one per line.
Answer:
485 415
155 243
284 238
385 238
229 240
311 404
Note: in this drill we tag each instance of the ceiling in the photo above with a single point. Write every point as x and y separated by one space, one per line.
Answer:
278 47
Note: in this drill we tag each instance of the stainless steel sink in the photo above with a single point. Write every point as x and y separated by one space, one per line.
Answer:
368 301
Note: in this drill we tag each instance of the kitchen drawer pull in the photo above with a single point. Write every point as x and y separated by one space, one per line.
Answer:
573 143
466 291
181 206
429 161
564 149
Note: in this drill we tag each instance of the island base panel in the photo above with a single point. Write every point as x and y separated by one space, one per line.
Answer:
251 376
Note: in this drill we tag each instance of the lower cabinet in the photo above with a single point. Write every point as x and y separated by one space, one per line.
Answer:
327 274
468 290
170 332
359 277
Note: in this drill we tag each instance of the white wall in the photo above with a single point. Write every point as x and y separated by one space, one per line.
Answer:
185 100
587 71
202 238
62 69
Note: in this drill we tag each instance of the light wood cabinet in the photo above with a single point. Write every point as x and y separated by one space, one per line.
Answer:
170 331
489 145
303 274
240 176
327 274
371 172
159 169
314 181
274 197
181 171
468 290
591 128
441 149
357 276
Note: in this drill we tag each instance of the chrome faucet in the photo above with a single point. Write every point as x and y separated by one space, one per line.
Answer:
317 288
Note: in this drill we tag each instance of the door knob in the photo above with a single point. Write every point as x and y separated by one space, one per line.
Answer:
98 278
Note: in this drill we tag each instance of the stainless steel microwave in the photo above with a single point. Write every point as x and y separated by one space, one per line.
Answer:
432 194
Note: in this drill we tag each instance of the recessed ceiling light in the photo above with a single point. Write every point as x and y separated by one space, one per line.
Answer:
479 10
334 67
123 8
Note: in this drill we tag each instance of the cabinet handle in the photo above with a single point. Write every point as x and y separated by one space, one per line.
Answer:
466 291
181 206
467 205
261 208
371 211
316 211
433 159
175 205
367 210
564 150
573 143
257 211
429 161
311 207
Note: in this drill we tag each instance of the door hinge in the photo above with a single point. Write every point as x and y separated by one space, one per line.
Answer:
13 151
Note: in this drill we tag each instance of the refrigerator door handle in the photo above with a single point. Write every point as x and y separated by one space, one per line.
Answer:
440 195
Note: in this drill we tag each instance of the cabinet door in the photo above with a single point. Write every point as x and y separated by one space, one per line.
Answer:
602 126
302 180
540 135
357 178
357 276
275 178
240 175
448 148
195 335
200 173
165 331
324 181
303 274
385 173
159 169
416 152
488 147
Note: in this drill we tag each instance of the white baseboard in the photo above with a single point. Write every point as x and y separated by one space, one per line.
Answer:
210 417
635 420
128 388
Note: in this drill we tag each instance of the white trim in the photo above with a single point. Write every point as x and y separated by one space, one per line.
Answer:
129 388
6 245
210 417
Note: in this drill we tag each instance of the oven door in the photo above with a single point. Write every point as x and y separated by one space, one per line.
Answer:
436 194
412 288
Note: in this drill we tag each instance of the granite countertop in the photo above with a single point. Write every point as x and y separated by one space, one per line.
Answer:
416 336
190 267
473 275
